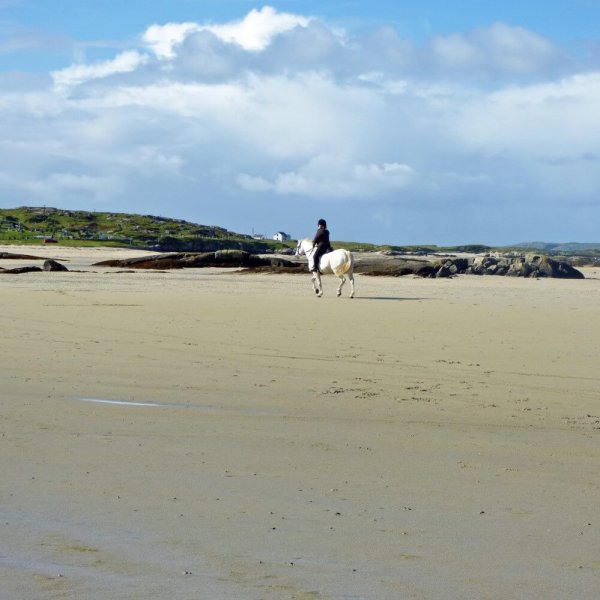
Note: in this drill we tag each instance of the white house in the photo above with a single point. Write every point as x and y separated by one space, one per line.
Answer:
281 236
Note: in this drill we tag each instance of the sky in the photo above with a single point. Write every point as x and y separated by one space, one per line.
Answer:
399 122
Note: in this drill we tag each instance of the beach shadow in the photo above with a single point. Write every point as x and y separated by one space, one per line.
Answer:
395 298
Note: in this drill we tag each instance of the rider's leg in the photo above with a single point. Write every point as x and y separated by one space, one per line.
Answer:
316 258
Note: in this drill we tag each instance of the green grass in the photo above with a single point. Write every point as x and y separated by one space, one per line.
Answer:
31 224
52 221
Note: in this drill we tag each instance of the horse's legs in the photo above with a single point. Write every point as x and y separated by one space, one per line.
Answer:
342 281
351 278
313 280
316 282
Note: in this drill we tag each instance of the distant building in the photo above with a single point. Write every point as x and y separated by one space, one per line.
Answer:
281 236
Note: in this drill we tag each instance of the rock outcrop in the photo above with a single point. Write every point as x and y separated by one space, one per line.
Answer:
220 258
390 266
19 270
14 256
530 265
53 265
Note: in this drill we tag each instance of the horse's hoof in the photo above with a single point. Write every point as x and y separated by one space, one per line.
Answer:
339 294
317 292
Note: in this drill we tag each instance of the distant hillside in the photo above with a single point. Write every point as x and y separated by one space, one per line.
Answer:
35 224
560 248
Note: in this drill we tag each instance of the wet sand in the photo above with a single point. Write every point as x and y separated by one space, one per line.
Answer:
211 434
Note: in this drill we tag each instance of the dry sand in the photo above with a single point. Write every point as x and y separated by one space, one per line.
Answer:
430 439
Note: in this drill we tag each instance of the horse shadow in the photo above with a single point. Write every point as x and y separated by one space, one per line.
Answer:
392 298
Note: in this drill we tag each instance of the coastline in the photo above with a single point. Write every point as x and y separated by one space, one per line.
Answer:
209 433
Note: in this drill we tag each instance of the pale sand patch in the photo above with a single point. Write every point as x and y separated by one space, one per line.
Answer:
430 439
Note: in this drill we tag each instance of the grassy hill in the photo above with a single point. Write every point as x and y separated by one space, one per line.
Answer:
569 247
73 227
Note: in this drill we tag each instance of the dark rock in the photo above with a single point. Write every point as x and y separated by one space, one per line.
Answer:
544 266
53 265
519 268
566 271
530 265
425 271
19 270
443 271
11 256
397 268
220 258
462 264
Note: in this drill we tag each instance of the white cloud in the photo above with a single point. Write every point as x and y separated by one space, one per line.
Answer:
454 51
258 28
387 174
182 99
254 32
499 48
535 120
162 39
61 187
252 183
333 177
126 62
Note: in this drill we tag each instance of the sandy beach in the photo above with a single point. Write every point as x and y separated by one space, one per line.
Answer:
211 434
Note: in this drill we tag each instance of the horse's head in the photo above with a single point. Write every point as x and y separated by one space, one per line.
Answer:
303 247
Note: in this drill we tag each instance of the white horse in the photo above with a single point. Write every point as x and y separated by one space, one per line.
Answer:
338 262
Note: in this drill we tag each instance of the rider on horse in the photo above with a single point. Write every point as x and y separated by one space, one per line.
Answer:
320 243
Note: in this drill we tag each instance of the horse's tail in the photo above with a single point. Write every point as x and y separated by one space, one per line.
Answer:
348 264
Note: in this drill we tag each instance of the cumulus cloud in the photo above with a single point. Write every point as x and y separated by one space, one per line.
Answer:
535 120
289 116
64 188
330 177
254 32
162 39
74 75
497 49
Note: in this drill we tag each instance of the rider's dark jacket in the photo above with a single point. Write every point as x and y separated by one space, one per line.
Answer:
321 241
